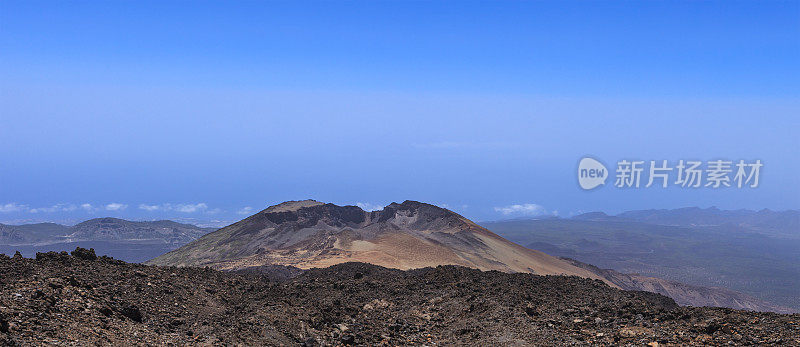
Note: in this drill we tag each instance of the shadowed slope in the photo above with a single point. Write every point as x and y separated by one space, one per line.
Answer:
309 234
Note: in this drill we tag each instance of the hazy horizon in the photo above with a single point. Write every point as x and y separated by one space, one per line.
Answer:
210 222
149 110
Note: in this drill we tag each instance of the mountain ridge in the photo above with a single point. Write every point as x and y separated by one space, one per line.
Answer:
450 231
765 220
310 234
100 229
686 294
762 265
403 235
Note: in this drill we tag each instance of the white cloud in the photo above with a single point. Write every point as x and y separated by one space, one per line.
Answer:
147 207
245 210
190 208
54 208
44 209
522 209
184 208
204 223
13 207
115 206
368 206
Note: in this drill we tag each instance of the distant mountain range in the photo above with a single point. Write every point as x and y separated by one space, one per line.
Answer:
101 229
126 240
778 223
685 294
32 233
752 252
309 234
688 254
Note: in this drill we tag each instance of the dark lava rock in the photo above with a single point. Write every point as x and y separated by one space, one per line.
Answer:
273 272
3 325
348 339
54 256
105 310
85 254
132 312
117 303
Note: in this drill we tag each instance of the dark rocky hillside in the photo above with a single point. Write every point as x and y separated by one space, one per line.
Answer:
32 233
409 235
128 240
760 265
101 229
80 299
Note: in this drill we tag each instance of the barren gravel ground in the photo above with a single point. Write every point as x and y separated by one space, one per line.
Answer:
69 300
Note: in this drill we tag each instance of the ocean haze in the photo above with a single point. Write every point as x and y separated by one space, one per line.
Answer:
255 104
753 252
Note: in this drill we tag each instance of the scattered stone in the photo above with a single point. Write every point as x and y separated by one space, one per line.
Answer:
531 311
3 325
55 283
705 339
84 254
634 332
107 301
348 339
376 304
105 310
132 312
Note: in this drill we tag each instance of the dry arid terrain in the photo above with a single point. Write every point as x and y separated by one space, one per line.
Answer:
80 300
408 235
754 253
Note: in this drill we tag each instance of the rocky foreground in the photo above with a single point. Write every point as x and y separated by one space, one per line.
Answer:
80 299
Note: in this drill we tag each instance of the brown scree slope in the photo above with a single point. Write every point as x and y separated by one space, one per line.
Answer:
310 234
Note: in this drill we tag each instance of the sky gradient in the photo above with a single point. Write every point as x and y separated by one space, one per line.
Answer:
158 109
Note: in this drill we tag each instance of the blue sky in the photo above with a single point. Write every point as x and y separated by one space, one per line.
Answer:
164 110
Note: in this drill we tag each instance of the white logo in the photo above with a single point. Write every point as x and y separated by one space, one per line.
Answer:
685 173
591 173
